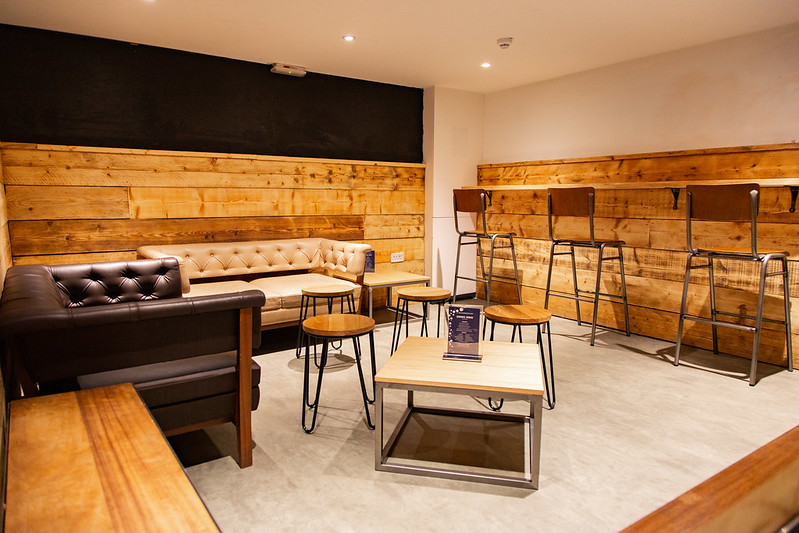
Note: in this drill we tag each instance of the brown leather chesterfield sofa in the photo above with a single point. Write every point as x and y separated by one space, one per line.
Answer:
86 325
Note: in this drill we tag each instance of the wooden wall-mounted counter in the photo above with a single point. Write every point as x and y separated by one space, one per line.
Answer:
758 493
635 203
70 204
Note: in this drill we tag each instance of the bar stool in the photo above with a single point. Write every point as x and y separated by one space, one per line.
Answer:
526 315
426 296
324 292
474 201
732 203
579 202
328 328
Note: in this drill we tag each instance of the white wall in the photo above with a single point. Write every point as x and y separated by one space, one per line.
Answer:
453 130
734 92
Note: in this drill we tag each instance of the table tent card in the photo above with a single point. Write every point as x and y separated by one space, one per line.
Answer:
370 261
463 332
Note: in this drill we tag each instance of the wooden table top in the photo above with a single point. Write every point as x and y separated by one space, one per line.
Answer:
328 291
338 325
505 367
423 294
95 460
517 314
384 279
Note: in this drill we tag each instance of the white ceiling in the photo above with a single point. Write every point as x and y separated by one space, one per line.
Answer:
417 43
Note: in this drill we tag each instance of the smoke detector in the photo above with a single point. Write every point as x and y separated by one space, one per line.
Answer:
504 42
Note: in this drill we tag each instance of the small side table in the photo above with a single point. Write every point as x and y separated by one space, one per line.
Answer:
423 295
329 328
518 315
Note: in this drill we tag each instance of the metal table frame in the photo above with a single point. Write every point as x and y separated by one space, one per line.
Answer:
532 447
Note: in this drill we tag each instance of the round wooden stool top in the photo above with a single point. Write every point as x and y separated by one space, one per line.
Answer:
423 294
328 291
517 314
338 325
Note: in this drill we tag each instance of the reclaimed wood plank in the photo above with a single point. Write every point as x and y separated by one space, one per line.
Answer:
84 236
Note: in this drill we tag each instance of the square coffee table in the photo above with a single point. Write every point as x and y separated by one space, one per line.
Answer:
507 370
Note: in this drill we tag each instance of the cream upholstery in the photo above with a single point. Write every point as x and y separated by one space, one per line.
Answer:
279 268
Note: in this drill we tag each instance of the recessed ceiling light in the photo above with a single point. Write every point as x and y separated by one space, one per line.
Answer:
486 65
349 38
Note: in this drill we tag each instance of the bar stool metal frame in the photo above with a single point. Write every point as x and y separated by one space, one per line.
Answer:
732 203
504 314
474 201
579 202
328 328
329 293
421 295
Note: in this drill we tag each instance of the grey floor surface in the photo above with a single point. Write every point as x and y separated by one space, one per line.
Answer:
629 433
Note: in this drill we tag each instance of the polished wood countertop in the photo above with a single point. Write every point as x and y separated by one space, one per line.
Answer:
95 460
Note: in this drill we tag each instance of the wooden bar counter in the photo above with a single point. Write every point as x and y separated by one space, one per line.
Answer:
95 460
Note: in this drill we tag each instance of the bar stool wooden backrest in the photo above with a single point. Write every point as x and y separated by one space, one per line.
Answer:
571 202
723 203
470 201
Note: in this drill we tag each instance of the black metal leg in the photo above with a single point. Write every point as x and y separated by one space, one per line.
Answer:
423 332
374 367
576 289
402 309
357 347
315 404
596 292
713 305
303 316
787 303
549 382
490 401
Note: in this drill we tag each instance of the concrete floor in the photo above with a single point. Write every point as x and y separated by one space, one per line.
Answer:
629 433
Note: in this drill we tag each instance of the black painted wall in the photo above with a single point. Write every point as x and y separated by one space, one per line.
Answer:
59 88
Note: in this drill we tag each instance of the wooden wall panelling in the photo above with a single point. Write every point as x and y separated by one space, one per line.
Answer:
742 163
643 215
5 241
79 204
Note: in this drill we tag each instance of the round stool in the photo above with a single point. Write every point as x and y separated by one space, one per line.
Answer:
326 292
518 315
328 328
423 295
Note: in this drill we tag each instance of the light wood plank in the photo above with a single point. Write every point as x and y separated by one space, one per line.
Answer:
95 461
58 203
158 202
758 493
86 236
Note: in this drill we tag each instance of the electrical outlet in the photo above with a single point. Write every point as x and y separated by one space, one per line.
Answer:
397 257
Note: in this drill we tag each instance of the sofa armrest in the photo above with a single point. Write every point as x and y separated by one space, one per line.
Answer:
153 252
342 256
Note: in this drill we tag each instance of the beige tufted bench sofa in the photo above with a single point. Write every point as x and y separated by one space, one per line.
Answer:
278 268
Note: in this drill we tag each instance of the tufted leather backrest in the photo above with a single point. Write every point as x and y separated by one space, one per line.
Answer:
85 285
211 260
